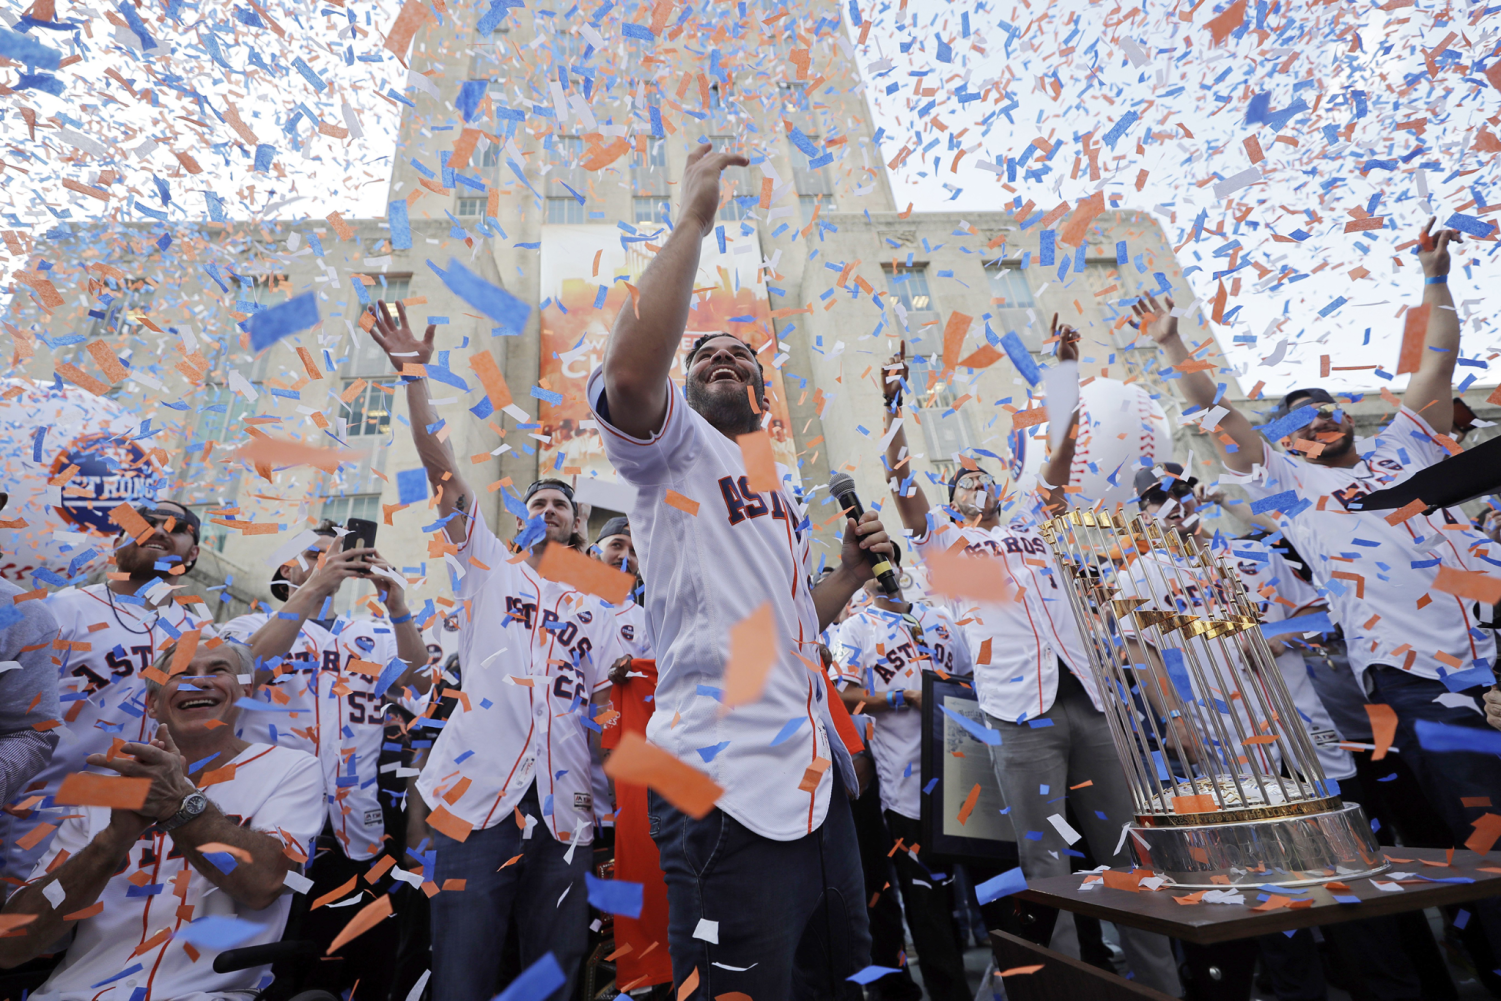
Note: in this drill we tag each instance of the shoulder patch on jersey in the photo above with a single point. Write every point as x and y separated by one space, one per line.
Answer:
365 643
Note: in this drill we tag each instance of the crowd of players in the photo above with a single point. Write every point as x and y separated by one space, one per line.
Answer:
307 775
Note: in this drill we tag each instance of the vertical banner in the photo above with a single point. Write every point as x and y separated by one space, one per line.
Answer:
581 296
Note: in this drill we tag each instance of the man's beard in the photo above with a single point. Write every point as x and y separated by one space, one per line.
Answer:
729 413
1338 448
141 563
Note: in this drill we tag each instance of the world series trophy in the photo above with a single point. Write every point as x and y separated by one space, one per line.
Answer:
1177 653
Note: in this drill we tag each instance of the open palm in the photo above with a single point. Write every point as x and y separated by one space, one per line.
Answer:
396 338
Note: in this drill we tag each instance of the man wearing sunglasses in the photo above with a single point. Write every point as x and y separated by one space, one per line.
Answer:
114 631
1414 648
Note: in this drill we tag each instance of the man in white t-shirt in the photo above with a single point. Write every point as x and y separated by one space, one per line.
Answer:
882 651
222 826
786 870
1416 649
1032 673
508 779
113 631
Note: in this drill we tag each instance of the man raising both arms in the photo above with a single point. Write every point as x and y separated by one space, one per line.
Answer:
1377 574
1030 665
775 863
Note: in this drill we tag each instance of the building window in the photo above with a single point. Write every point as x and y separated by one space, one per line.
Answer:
1015 306
909 287
264 290
471 207
369 413
564 210
737 181
126 302
652 209
649 170
945 431
491 156
807 203
211 536
341 509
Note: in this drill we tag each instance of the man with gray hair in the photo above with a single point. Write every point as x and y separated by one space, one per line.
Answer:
217 831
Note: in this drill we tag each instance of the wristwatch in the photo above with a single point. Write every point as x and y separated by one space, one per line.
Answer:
193 804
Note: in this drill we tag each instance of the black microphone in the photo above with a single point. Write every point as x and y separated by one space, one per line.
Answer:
843 489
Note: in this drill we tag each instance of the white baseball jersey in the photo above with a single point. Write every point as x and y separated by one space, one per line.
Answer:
533 652
110 641
1028 635
337 717
276 790
630 624
878 651
705 573
1390 615
1266 573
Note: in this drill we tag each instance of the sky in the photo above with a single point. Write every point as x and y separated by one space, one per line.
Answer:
1356 111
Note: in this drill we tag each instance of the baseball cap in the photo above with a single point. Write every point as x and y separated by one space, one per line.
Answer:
619 525
1301 397
558 485
1149 482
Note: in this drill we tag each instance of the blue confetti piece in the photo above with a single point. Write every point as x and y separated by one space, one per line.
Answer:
217 932
471 93
1316 623
401 227
1009 882
1335 304
411 486
537 982
615 896
257 706
264 154
128 11
871 973
1021 357
309 75
270 325
1470 225
656 122
1120 128
28 51
1276 502
498 304
710 752
1172 662
641 31
1279 429
1443 737
787 730
984 735
719 234
44 82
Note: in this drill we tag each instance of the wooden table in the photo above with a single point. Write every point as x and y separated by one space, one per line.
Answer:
1207 924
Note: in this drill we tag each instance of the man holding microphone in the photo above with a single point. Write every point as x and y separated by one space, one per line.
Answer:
766 895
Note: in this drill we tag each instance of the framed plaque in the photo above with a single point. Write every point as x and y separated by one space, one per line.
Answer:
954 763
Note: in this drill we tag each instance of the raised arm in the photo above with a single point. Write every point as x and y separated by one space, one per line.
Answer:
913 510
1430 393
276 637
1198 388
410 649
403 348
1059 467
648 331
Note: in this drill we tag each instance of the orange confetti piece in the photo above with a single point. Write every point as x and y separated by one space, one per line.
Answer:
953 338
674 499
1383 728
752 654
569 566
489 375
114 791
369 916
760 465
282 452
1470 584
682 785
959 576
1414 331
1017 971
1406 511
445 822
969 804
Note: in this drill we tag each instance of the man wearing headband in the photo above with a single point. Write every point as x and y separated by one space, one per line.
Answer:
1032 674
513 751
1415 648
786 843
115 630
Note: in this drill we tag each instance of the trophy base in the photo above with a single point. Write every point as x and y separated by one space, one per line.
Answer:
1287 851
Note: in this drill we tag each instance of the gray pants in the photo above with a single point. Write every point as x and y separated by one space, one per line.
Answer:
1035 767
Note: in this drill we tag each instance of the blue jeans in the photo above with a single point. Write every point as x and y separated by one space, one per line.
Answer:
470 926
1449 776
778 904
